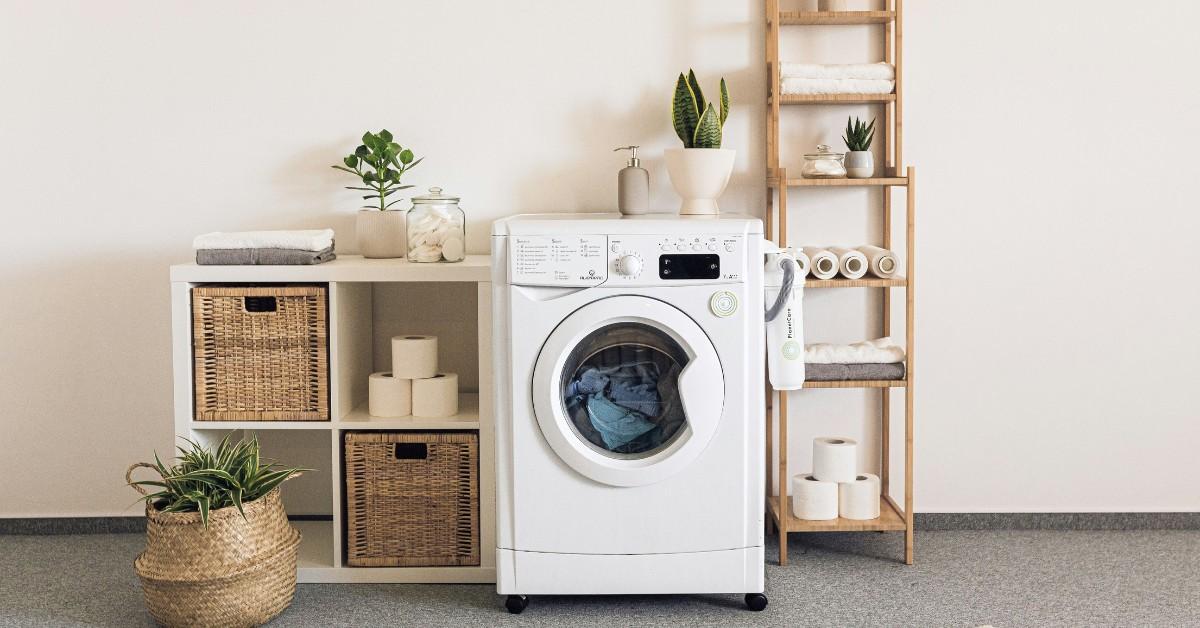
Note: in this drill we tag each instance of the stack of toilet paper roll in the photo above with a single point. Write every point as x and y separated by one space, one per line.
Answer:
835 488
414 386
852 263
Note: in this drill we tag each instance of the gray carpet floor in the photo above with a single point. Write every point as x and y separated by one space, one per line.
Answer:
962 578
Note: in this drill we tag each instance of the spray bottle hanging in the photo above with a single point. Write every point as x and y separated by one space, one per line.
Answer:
783 288
633 185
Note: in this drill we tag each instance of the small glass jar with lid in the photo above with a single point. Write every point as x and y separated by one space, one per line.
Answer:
823 164
436 228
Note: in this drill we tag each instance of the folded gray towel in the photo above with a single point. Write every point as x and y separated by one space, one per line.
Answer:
262 257
844 372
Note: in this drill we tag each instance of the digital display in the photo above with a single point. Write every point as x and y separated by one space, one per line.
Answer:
688 266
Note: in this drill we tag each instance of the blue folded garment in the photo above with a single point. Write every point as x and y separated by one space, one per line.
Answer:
617 425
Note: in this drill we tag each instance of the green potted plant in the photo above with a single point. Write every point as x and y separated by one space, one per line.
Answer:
700 170
859 162
379 163
219 548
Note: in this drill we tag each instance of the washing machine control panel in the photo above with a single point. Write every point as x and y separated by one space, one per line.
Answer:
630 260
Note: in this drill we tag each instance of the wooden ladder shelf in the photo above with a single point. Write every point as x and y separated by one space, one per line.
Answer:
894 516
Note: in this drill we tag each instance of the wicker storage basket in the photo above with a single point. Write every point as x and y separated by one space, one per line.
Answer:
261 353
412 499
238 572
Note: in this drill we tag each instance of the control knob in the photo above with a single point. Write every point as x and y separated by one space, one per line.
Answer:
629 265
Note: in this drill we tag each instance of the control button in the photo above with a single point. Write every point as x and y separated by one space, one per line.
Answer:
723 303
712 246
696 246
630 266
729 247
666 246
616 248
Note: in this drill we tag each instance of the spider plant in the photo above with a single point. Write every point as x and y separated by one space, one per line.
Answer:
204 480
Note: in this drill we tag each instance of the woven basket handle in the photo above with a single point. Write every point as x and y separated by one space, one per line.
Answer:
129 475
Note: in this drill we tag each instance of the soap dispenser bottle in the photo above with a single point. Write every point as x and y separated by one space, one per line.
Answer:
633 185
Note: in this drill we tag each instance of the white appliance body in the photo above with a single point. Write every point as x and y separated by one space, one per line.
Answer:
681 509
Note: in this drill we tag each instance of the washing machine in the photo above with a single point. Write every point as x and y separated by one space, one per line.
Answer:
628 361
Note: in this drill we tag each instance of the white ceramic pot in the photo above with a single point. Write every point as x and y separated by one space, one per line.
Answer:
380 233
699 176
860 164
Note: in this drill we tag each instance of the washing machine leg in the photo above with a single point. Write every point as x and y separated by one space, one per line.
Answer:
756 601
517 603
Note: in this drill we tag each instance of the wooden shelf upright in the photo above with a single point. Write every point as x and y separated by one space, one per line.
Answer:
893 516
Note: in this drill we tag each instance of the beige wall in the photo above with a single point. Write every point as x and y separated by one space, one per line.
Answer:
1057 349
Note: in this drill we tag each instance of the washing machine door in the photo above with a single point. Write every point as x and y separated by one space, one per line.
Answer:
628 390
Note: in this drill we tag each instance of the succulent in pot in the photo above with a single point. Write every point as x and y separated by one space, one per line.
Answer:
379 163
860 164
219 548
700 170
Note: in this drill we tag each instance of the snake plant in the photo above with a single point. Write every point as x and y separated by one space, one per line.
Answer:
388 161
694 119
858 135
204 480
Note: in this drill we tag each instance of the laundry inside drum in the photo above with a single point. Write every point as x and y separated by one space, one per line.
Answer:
620 390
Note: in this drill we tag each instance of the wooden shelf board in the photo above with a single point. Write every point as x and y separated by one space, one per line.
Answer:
816 18
890 519
835 183
865 282
835 99
351 268
466 419
859 383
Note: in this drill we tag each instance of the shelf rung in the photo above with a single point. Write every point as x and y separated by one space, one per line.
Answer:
865 282
819 18
838 183
835 99
889 519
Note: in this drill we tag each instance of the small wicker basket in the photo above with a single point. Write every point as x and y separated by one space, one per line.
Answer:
238 572
261 353
412 499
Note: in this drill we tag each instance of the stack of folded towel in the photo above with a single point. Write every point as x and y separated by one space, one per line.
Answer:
867 360
249 248
852 78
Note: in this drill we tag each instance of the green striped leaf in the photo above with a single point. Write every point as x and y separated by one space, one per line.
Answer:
684 114
708 129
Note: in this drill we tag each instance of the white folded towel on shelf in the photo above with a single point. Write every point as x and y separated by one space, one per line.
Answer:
303 240
880 351
868 71
837 86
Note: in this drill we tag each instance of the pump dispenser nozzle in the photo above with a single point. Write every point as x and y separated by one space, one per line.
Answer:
633 158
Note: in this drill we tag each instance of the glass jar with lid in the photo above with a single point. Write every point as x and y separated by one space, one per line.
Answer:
436 228
823 164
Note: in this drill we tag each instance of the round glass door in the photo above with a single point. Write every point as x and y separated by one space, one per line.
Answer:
628 390
620 390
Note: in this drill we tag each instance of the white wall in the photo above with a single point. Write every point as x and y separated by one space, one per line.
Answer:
1047 135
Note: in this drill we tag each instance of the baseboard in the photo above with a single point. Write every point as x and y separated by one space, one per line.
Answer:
1057 521
96 525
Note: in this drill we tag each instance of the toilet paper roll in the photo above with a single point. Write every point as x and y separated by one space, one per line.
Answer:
835 459
814 500
802 263
881 262
851 262
822 263
436 396
389 396
859 499
414 357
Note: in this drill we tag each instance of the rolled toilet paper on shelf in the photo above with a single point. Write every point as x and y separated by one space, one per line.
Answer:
814 500
851 262
859 499
835 459
881 262
389 396
414 356
802 263
822 264
435 397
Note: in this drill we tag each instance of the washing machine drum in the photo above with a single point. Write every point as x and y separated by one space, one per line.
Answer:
628 390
